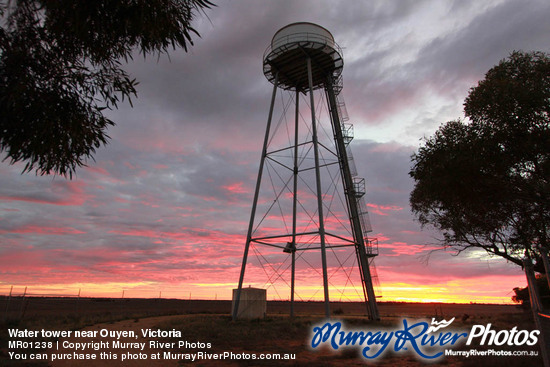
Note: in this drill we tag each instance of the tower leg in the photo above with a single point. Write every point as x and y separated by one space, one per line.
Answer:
294 203
319 191
255 203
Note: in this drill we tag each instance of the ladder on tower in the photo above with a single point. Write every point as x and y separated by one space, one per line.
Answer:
359 186
366 249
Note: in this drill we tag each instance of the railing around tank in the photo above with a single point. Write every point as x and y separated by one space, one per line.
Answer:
296 38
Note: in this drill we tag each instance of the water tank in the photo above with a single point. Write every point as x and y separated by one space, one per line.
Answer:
290 48
252 304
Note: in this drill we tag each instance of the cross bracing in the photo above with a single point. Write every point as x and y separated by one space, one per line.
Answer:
273 231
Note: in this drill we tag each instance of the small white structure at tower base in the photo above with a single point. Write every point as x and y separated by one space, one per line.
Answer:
252 305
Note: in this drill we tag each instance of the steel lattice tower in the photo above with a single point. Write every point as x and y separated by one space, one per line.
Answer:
304 59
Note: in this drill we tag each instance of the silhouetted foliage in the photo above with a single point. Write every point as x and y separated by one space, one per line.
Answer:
60 68
485 183
521 295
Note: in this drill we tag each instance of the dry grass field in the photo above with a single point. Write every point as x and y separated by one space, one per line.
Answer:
209 322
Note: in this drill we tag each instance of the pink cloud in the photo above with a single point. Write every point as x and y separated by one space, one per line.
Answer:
403 248
235 188
383 209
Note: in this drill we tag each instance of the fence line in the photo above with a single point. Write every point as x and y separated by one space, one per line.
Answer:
123 293
120 293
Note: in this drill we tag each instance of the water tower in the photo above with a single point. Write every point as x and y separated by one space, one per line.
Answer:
306 166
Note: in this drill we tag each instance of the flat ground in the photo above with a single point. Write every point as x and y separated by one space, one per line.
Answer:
209 322
18 308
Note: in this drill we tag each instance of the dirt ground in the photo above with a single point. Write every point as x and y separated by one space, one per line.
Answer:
32 307
134 325
304 356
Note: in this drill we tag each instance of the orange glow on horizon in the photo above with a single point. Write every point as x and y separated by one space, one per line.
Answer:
449 292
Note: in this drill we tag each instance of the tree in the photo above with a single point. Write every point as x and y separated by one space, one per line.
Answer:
485 183
60 68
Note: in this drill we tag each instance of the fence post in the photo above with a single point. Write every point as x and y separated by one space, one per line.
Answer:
8 304
23 307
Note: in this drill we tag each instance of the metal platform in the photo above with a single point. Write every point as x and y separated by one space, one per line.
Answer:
288 58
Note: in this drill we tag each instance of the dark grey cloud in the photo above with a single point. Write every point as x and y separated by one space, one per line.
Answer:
402 72
488 38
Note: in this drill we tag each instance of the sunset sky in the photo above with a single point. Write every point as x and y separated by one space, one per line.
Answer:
164 208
